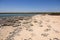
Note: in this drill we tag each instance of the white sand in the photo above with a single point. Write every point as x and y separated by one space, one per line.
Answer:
45 27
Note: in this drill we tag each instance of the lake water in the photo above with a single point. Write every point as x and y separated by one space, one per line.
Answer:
5 15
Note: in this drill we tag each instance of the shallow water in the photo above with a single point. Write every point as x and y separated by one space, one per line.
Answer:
6 15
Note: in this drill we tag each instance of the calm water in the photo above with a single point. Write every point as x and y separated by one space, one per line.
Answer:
5 15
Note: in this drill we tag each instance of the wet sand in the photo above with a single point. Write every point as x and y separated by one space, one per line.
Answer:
38 27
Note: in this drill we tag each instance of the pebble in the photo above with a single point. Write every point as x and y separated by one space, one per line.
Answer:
44 34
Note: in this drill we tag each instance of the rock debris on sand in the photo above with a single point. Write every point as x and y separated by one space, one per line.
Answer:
38 27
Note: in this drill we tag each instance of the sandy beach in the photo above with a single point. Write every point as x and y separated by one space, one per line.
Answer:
37 27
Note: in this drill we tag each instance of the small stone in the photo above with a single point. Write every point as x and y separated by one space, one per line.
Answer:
16 25
30 30
56 39
41 25
29 39
50 39
35 21
47 30
44 34
31 25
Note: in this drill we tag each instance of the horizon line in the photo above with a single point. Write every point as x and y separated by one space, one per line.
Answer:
29 12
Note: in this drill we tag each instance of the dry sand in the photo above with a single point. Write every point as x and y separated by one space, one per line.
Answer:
38 27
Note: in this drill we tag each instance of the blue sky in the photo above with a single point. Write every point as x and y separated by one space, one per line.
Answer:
29 5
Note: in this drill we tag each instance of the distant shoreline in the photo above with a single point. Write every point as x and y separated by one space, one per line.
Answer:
49 13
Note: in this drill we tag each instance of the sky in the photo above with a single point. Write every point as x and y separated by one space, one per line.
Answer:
29 5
